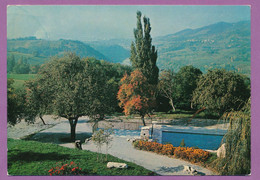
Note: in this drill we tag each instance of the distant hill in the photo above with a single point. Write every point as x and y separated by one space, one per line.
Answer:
114 52
220 45
38 50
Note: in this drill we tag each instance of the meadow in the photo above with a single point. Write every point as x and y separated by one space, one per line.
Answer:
35 158
19 79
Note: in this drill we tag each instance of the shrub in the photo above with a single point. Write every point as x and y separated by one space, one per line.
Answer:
187 153
168 149
191 154
66 169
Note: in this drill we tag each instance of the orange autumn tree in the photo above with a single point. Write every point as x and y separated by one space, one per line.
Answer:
136 95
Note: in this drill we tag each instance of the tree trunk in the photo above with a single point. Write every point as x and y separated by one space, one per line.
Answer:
142 117
95 126
73 123
42 120
171 102
197 112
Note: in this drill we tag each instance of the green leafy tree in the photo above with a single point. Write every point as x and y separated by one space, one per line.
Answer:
22 66
99 139
136 95
186 82
10 63
143 53
108 132
237 143
220 91
15 103
167 86
72 88
37 101
102 90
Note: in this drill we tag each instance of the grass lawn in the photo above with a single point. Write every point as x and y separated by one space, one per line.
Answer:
35 158
184 114
19 79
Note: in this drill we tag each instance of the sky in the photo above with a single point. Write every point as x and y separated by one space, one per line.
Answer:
91 23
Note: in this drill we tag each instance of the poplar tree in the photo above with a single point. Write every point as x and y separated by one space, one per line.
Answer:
143 53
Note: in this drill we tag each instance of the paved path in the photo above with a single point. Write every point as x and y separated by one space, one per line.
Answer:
121 148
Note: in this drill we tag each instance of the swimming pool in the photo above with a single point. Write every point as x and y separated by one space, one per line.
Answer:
202 141
126 133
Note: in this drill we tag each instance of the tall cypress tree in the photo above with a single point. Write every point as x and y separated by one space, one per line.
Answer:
143 53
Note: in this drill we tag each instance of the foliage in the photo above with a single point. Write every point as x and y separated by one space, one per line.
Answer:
70 87
99 139
191 154
66 170
136 95
103 136
108 132
10 63
167 86
38 51
106 80
187 153
37 102
237 143
35 159
21 67
221 91
143 53
221 45
186 82
15 103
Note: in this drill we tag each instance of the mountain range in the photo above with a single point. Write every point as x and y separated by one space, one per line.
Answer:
220 45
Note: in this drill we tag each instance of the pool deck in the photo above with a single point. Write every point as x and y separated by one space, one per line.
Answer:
120 148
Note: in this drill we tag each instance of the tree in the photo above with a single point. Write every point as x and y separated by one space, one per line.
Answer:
186 82
99 139
72 88
220 91
102 90
136 94
108 131
37 101
237 143
167 86
143 53
15 103
21 67
10 63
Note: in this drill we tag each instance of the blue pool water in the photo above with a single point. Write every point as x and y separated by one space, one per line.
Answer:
202 141
125 132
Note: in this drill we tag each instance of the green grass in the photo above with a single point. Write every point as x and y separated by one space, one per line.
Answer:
19 79
35 158
178 114
23 77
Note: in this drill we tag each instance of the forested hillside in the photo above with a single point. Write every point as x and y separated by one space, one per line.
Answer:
39 50
220 45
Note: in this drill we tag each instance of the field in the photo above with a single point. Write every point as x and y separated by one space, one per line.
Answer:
19 79
34 158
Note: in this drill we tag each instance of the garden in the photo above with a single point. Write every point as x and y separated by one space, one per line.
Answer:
86 92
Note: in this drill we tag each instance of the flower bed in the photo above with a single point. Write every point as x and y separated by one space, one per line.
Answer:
187 153
66 169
